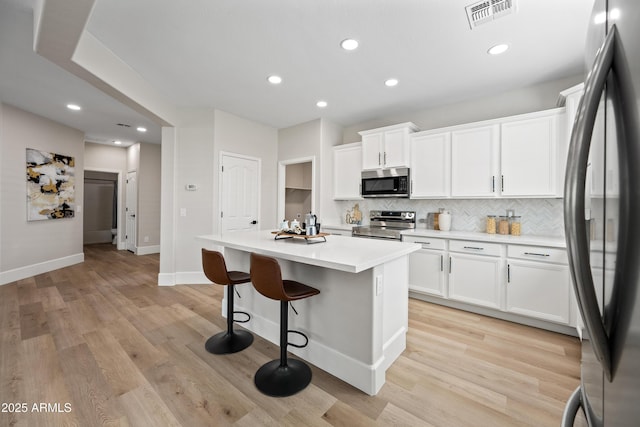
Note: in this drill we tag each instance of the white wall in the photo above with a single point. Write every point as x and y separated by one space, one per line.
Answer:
148 215
29 248
191 155
525 100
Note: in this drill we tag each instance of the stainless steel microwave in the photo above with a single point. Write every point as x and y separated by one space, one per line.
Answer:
393 182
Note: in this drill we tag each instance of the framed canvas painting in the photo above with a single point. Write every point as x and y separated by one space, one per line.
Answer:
50 185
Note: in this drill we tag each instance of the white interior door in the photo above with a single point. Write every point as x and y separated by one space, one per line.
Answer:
240 193
131 208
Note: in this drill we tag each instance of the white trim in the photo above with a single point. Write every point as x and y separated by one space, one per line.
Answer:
39 268
259 189
282 169
120 244
147 250
182 278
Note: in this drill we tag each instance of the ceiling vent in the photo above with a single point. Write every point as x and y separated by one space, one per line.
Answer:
487 10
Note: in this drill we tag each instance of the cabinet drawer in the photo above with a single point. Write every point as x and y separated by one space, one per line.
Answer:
427 242
538 253
479 248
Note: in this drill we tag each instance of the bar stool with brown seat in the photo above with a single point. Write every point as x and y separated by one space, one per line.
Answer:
283 377
229 341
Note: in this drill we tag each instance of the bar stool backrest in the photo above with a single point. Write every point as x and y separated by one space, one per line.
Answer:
267 277
214 267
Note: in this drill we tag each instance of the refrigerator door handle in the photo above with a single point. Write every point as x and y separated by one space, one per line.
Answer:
571 408
574 202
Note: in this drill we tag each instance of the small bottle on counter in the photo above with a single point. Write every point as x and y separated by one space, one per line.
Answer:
503 225
491 224
516 225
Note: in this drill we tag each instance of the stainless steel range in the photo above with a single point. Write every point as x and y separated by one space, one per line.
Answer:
386 225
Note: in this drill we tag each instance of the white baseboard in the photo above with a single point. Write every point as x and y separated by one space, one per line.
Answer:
39 268
182 278
148 250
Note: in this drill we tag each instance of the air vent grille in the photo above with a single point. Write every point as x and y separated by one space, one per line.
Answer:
487 10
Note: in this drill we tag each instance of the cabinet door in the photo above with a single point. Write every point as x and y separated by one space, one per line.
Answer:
528 157
426 272
372 151
431 165
347 168
474 161
395 151
539 290
475 279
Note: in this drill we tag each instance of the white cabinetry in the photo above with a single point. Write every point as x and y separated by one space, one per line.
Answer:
538 283
386 147
430 165
529 151
474 273
427 273
474 161
347 168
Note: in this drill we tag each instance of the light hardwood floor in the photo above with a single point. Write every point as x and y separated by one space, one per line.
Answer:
102 338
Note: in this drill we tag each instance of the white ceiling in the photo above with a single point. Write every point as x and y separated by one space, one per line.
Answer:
219 53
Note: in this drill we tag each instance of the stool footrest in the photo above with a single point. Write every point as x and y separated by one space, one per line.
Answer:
243 313
306 339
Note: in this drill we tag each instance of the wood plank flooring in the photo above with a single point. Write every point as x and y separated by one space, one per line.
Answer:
104 339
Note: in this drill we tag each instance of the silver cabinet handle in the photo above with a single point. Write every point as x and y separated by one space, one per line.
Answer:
535 254
574 202
441 262
502 183
475 248
385 158
571 408
424 243
379 159
508 273
493 184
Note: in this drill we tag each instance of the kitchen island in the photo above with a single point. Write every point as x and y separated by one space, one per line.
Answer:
357 324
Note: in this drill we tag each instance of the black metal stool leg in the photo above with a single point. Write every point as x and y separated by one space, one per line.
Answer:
284 377
230 341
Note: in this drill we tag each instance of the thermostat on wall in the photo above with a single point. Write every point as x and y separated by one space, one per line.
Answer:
191 187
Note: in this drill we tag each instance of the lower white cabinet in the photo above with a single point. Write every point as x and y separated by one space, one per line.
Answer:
529 281
538 283
475 279
427 273
539 290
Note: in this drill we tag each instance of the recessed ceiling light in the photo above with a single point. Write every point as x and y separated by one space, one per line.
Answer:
275 80
321 104
141 129
391 82
74 107
349 44
498 49
117 142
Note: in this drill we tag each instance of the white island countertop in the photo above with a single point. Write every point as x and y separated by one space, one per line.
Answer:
338 252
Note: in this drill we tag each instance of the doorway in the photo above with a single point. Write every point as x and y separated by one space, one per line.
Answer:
296 180
102 201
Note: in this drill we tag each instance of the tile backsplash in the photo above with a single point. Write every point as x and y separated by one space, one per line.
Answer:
543 217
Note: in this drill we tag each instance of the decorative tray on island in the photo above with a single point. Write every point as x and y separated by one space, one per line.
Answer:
282 235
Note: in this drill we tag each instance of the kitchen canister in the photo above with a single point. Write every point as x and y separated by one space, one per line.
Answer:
503 225
444 221
491 224
516 225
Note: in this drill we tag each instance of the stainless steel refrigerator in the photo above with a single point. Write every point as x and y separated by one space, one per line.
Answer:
602 219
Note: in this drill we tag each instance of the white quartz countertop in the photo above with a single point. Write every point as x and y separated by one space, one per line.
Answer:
338 252
548 241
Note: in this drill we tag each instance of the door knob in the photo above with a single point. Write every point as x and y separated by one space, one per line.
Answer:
254 222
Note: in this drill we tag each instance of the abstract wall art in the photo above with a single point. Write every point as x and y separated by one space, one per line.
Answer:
50 185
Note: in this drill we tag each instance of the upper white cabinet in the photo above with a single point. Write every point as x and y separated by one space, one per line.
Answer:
347 167
386 147
430 167
528 157
474 161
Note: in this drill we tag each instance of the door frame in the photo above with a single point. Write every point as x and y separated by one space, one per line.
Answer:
121 189
135 238
282 171
221 157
